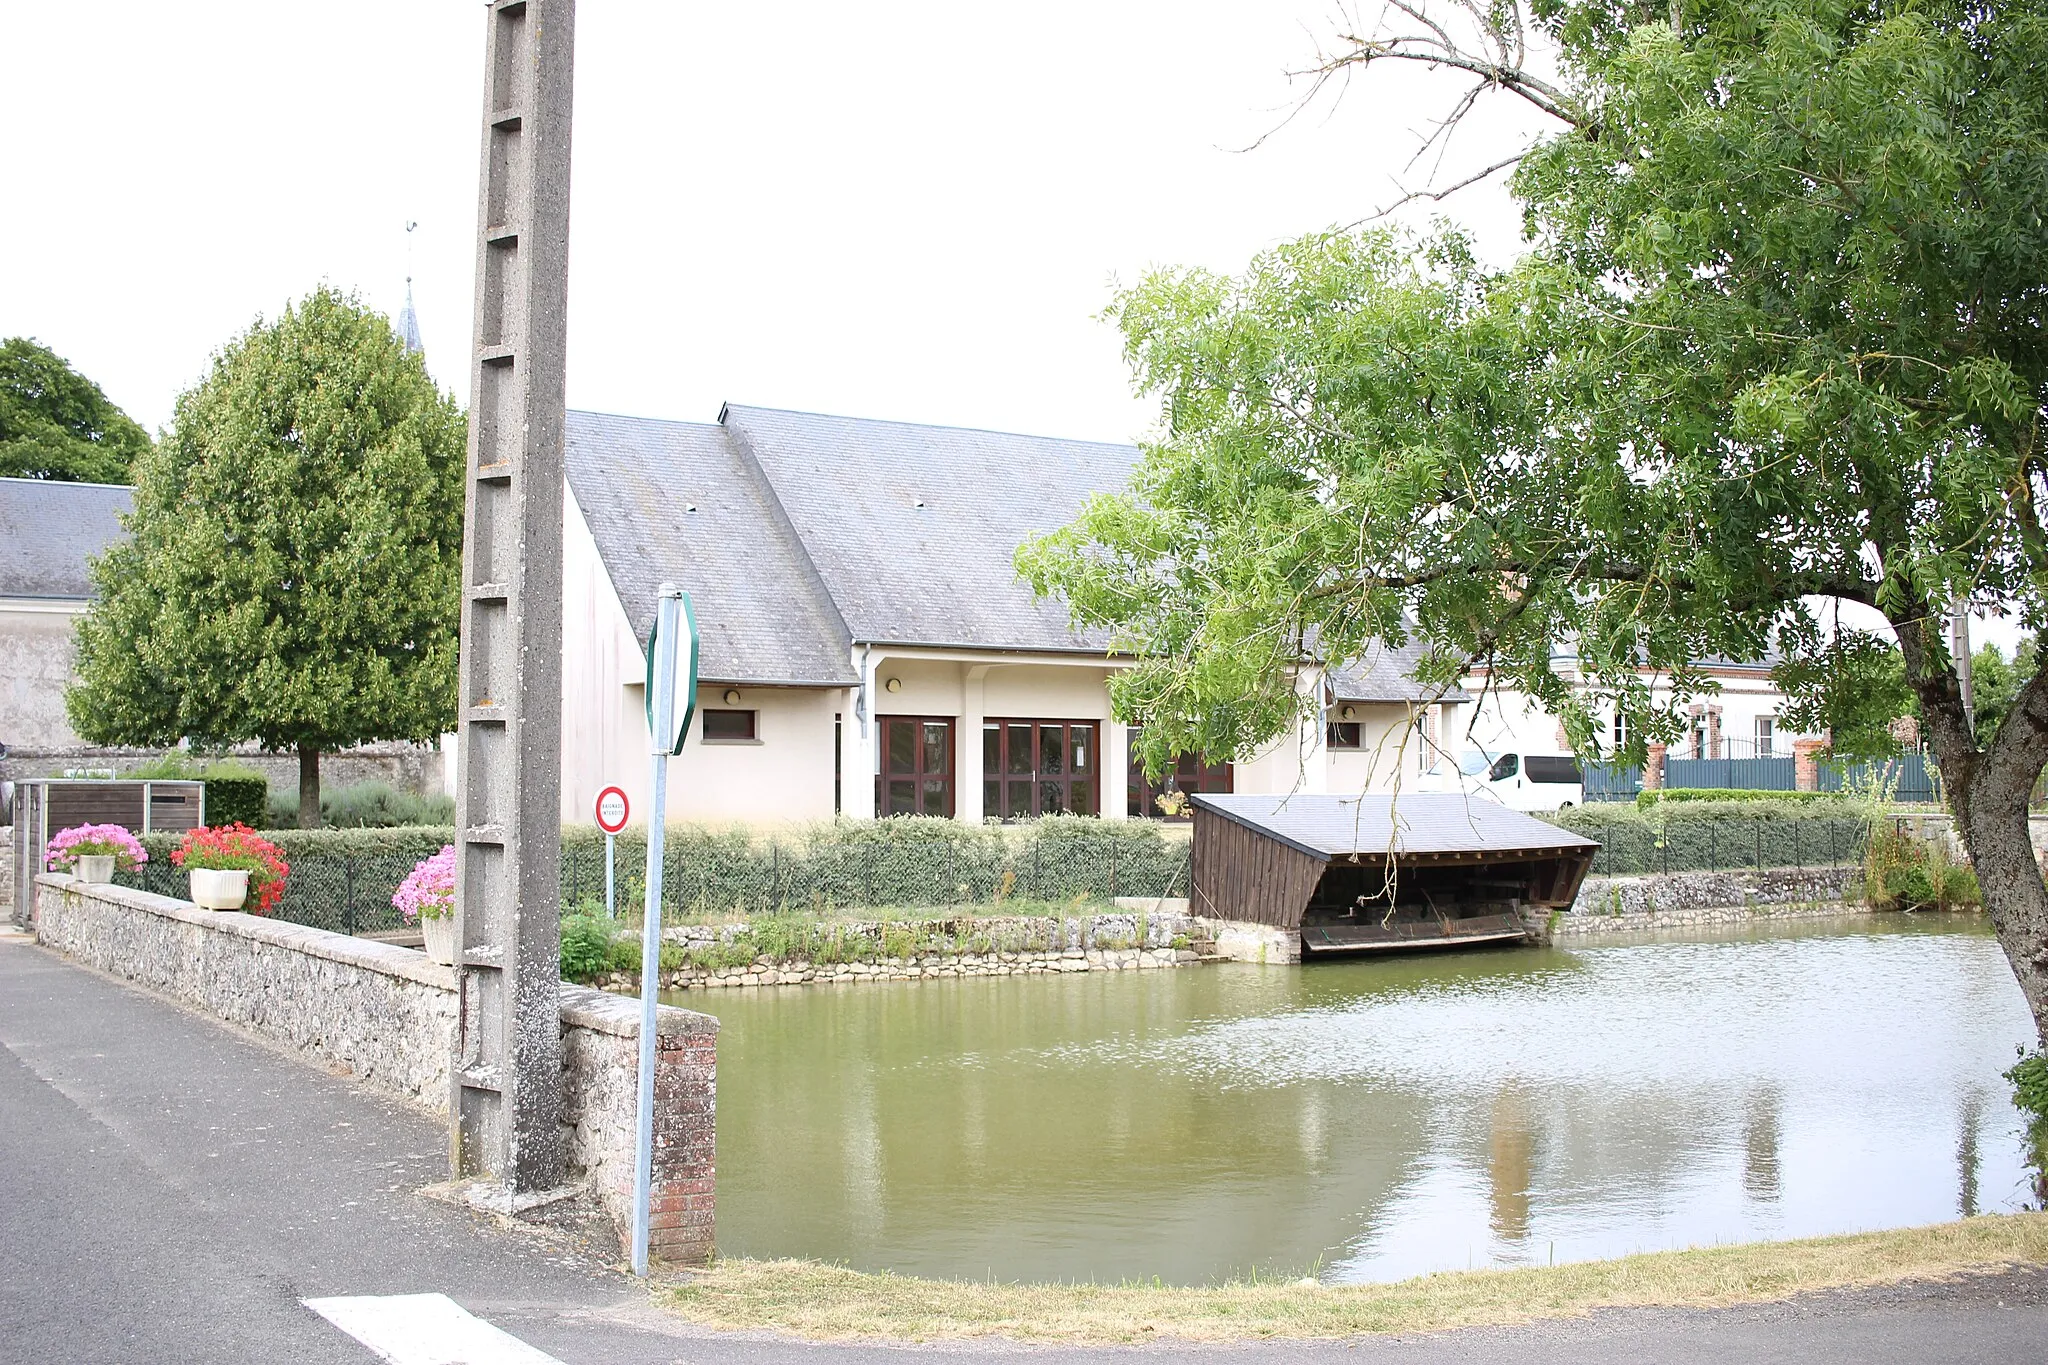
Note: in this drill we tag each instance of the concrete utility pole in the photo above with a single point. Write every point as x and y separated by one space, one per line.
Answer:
507 1075
1959 648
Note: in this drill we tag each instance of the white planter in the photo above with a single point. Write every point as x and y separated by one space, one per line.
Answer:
440 934
93 867
214 889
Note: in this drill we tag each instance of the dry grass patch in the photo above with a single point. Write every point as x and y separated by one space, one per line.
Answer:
823 1301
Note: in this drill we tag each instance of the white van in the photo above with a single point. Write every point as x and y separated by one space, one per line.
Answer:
1525 782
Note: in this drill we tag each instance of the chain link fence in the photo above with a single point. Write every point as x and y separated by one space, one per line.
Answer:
1728 845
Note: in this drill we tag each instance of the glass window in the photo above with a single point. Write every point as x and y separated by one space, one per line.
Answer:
1766 735
1189 773
1474 763
1039 767
917 766
1346 734
1506 766
728 727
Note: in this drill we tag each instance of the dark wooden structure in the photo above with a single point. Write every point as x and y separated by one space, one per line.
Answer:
45 805
1374 873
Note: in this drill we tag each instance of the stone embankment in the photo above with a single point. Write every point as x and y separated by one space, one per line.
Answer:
1683 900
921 950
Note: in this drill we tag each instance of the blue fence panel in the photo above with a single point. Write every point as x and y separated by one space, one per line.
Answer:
1749 774
1909 776
1611 781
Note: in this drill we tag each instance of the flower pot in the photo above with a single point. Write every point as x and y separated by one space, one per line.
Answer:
93 867
216 889
440 933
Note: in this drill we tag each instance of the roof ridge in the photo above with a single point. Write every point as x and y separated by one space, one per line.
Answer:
815 579
65 483
727 407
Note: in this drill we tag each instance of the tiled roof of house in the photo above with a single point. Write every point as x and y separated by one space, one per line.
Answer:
914 529
1387 673
677 501
48 530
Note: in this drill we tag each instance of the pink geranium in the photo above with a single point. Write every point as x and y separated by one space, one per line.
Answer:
67 846
428 892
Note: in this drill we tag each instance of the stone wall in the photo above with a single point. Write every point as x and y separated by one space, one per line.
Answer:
1016 945
1611 905
386 1015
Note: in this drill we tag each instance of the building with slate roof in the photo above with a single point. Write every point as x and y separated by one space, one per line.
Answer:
866 644
48 532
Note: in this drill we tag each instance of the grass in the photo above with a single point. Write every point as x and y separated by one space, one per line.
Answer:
809 1299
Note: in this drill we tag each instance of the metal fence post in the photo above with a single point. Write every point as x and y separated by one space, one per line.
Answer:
1757 822
348 894
1798 856
1112 865
1714 846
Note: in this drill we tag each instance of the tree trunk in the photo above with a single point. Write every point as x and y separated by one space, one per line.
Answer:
1988 789
309 786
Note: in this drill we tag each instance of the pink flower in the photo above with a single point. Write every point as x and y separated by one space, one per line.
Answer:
428 892
67 846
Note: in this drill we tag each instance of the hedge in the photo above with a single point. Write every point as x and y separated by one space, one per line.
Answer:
1652 796
231 799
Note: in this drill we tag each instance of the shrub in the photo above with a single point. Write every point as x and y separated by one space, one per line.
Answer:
1902 873
236 794
588 947
1653 796
2029 1077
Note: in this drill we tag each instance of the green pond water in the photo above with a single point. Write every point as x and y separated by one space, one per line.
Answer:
1369 1120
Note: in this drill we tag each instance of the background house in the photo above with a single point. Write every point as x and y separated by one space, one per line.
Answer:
867 647
48 531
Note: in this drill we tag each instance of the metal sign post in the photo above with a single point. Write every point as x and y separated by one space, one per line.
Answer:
611 818
671 699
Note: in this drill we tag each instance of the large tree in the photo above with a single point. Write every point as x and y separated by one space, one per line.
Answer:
291 573
56 424
1773 366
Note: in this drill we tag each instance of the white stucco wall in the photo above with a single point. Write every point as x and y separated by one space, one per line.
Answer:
1509 721
35 667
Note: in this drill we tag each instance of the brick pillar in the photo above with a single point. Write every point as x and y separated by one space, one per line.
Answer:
1714 732
1653 767
1806 764
681 1214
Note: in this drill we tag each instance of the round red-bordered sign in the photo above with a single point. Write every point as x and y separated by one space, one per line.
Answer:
611 810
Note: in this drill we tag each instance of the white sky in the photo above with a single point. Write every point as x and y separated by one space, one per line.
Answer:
890 210
903 210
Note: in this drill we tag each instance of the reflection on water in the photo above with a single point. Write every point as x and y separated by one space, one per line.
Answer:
1376 1118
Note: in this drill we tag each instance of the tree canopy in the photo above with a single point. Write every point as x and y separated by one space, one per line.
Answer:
1775 353
292 571
56 424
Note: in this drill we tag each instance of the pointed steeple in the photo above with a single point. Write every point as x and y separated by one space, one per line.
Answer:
408 321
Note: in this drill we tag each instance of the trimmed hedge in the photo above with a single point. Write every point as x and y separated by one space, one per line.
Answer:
231 800
1670 795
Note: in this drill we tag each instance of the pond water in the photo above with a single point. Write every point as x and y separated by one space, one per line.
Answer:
1369 1120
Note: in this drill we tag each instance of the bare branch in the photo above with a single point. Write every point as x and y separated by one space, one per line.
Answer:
1411 196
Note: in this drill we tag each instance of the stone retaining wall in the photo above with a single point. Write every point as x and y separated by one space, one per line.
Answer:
386 1015
1614 905
1014 945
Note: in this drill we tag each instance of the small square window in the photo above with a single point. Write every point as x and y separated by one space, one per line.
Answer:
728 727
1345 734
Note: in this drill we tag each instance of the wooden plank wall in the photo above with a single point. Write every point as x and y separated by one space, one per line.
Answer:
1240 874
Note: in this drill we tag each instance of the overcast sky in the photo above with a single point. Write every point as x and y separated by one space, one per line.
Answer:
895 210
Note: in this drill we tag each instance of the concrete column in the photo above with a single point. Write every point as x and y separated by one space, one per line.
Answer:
507 1073
860 739
1806 763
1653 767
967 761
1116 769
1314 732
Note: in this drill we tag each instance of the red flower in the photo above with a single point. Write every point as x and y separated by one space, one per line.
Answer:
237 848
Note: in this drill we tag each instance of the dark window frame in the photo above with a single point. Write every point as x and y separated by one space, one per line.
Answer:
918 775
752 736
1080 791
1334 736
1191 774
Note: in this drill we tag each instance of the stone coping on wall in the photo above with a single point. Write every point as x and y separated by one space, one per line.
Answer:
368 954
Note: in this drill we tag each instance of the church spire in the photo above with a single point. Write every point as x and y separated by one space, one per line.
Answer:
408 321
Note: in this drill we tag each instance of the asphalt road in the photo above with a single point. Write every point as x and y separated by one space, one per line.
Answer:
171 1190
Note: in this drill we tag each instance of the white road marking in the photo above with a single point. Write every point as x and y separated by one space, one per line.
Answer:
425 1329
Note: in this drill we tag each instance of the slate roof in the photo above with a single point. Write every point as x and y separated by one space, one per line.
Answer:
48 530
1386 673
1336 826
761 615
943 572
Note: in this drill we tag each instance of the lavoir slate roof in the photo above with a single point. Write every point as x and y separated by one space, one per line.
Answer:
48 530
1326 826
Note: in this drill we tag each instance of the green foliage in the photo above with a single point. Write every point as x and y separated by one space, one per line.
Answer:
1670 795
290 577
2029 1077
1998 680
57 424
1901 872
235 792
370 804
1774 342
587 951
